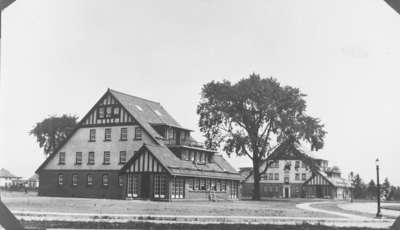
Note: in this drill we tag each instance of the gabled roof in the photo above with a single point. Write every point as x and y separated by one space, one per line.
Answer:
334 181
148 111
175 166
4 173
288 149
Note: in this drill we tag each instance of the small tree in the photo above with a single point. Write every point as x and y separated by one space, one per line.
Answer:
254 116
52 131
372 189
359 187
386 187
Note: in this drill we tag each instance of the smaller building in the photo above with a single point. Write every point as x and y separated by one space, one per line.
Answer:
33 182
6 178
293 173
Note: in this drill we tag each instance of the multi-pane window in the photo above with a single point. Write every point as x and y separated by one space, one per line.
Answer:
75 179
184 154
78 158
116 111
303 165
106 160
297 176
92 135
177 190
108 111
138 133
223 186
203 158
133 185
124 134
121 180
196 184
107 134
105 180
297 164
100 112
60 179
190 183
89 179
303 176
91 158
270 176
202 184
122 157
160 186
286 179
192 153
61 158
276 176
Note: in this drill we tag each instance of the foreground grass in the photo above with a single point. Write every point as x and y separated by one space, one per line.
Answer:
31 202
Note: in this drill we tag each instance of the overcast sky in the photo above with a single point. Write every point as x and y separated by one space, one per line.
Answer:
61 56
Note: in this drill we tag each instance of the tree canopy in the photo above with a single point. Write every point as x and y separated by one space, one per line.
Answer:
253 116
52 131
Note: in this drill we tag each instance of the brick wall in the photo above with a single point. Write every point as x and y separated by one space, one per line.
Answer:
49 186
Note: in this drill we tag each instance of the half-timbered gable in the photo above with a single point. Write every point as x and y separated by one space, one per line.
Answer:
108 111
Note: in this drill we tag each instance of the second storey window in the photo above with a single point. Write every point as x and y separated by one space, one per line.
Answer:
297 176
91 158
92 135
60 179
107 134
138 133
270 176
276 176
106 160
303 176
124 134
100 112
78 158
122 157
61 158
75 179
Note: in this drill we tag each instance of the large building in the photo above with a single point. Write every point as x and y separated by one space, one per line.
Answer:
294 174
128 147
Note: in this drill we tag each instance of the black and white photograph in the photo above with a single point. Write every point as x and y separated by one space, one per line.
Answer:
200 114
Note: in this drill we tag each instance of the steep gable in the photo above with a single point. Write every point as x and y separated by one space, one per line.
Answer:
107 111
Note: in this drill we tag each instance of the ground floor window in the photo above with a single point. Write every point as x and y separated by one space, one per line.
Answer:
234 189
160 186
177 188
105 180
75 179
200 184
60 179
133 185
89 180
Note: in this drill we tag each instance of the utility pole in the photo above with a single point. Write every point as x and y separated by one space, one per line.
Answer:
378 213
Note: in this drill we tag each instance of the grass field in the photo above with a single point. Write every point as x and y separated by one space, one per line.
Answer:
392 207
17 201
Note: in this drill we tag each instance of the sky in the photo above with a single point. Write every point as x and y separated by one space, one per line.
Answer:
60 56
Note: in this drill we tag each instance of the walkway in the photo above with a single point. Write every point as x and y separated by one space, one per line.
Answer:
370 207
307 207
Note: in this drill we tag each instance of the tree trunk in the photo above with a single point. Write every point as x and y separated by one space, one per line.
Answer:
256 176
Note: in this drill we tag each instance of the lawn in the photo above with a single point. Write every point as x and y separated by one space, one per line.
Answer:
17 201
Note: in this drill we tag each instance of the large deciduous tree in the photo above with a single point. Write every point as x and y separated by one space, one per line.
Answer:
52 131
253 116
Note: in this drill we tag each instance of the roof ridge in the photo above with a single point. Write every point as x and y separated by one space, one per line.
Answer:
130 95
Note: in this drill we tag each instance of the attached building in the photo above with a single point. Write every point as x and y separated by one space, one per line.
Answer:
128 147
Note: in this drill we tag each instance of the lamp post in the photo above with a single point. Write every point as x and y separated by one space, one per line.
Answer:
378 213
